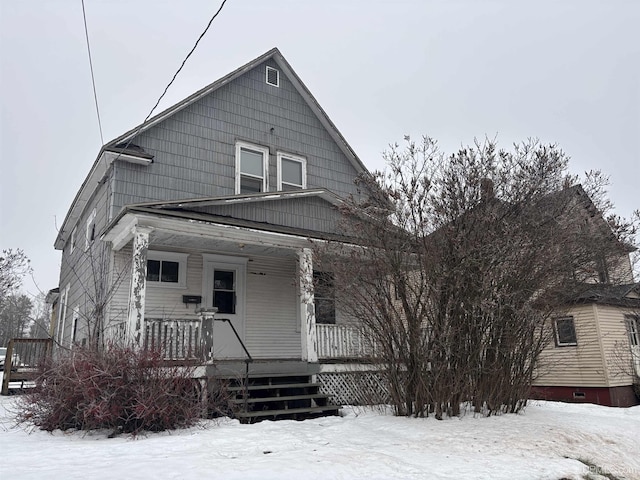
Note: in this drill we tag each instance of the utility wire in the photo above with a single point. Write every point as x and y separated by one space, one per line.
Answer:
185 60
93 81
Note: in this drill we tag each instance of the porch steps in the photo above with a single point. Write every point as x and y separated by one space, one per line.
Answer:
278 396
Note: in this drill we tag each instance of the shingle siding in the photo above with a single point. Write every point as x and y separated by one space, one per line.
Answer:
194 149
81 268
313 214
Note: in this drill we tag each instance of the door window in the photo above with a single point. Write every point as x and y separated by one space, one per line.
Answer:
224 291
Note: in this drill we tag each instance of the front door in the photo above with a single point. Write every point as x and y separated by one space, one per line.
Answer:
224 281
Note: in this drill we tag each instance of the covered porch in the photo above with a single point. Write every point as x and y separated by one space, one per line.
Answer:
208 289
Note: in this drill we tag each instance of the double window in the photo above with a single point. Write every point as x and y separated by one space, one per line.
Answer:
565 332
252 170
167 268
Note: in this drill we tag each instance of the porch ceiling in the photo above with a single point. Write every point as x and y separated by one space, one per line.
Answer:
160 239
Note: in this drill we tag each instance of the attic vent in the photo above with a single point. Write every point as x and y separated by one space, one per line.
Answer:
273 77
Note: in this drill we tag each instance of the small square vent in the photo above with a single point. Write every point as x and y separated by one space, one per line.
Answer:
273 77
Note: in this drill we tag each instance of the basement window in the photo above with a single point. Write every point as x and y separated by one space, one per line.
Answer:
273 77
251 168
167 269
565 332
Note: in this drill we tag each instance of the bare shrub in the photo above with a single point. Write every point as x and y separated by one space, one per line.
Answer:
120 388
455 265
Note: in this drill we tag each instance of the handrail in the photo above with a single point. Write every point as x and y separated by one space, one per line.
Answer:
247 361
250 358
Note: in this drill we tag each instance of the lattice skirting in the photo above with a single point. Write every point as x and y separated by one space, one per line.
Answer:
355 388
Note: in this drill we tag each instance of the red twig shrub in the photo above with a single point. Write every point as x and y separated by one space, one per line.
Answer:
120 388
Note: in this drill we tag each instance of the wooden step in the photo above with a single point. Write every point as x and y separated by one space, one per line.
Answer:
316 396
290 411
241 377
240 388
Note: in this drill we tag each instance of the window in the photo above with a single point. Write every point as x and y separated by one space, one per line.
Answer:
76 316
273 77
251 168
324 297
62 312
167 269
90 231
72 240
224 291
565 332
633 328
292 172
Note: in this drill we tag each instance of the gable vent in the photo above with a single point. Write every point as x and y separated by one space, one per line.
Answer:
273 77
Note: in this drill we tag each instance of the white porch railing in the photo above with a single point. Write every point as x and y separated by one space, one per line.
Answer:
342 341
177 339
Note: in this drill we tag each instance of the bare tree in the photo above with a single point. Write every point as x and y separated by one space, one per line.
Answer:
14 265
459 263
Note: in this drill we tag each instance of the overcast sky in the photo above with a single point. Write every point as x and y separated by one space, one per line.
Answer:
564 71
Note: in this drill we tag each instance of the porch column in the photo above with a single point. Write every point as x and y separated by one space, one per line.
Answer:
135 318
307 307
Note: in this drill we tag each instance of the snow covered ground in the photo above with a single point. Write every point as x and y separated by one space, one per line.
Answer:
542 443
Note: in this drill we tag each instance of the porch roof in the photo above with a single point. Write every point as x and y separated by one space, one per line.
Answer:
184 218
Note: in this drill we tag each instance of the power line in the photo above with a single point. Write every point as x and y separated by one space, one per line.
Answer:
184 61
93 81
174 76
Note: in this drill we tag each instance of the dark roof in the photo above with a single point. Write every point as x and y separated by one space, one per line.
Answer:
611 295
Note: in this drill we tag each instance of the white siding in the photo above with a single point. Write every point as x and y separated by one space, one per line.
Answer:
581 365
615 345
271 323
271 328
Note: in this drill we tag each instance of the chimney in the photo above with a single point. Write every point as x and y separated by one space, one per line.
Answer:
486 189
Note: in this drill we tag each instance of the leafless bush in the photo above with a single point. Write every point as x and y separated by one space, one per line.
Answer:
119 388
455 265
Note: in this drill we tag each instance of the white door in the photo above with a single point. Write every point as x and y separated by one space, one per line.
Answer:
224 288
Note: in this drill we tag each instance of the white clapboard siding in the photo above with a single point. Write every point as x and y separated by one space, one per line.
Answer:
615 344
163 301
271 327
581 365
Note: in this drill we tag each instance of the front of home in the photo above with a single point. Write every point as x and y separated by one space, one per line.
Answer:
196 233
214 205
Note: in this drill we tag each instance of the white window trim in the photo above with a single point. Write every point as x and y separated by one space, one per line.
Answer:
633 330
62 313
181 258
295 158
87 232
74 325
72 240
266 76
557 336
265 164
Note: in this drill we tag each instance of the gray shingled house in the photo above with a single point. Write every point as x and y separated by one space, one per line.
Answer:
215 204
